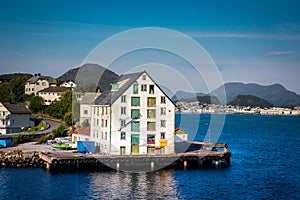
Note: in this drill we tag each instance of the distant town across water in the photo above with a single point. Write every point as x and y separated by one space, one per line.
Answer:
196 107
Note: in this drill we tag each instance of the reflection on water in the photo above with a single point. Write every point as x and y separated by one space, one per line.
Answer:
121 185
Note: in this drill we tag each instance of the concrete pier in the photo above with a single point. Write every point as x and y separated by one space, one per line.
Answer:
188 160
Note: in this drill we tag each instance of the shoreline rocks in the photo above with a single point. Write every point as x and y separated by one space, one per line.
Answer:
19 160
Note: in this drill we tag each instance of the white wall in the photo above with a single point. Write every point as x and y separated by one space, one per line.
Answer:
34 88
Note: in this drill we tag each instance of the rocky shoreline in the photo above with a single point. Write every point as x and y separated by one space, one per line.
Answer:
20 160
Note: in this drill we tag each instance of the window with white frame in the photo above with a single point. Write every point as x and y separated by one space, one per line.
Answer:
151 89
163 123
162 99
123 110
163 111
144 88
123 99
123 123
123 135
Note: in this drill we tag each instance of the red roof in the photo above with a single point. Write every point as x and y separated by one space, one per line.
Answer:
83 131
55 89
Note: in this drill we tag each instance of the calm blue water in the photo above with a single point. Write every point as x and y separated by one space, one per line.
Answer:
264 165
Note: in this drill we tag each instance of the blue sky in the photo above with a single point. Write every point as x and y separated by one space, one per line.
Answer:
250 42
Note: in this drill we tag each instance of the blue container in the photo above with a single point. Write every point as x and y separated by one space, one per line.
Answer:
5 143
86 146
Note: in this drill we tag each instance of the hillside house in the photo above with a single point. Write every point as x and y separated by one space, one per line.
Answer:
68 84
38 83
14 117
51 94
133 116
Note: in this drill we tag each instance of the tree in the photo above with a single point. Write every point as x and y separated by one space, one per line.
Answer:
68 119
36 104
14 90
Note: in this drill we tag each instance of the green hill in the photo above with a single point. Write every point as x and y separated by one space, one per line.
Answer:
250 100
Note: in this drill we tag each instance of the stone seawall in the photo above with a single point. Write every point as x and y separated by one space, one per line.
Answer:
20 160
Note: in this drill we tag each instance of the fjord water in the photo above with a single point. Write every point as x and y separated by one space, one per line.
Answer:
264 165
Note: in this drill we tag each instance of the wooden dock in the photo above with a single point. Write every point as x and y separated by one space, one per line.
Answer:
138 163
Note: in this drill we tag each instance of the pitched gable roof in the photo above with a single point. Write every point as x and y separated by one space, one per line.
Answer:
108 96
34 79
16 108
89 97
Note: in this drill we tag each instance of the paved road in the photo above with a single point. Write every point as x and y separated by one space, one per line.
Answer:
52 125
32 146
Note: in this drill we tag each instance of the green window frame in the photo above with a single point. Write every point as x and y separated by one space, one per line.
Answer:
135 139
135 126
135 88
135 113
135 101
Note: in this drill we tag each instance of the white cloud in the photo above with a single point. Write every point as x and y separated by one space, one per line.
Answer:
281 53
245 35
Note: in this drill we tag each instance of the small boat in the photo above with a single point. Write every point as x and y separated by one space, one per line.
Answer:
61 146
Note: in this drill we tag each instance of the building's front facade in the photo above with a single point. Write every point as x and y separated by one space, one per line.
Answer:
38 83
51 94
134 117
14 117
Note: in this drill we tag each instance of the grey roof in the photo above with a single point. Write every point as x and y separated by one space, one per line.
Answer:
34 79
89 97
16 108
108 97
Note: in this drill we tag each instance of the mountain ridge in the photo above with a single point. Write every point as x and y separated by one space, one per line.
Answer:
276 94
90 74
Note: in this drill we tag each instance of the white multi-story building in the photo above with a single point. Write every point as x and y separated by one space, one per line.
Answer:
38 83
14 117
134 116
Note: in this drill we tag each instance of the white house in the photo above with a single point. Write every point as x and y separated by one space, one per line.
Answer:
81 135
51 94
180 135
14 117
133 116
68 84
38 83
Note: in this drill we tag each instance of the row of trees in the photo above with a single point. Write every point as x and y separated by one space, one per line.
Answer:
13 90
